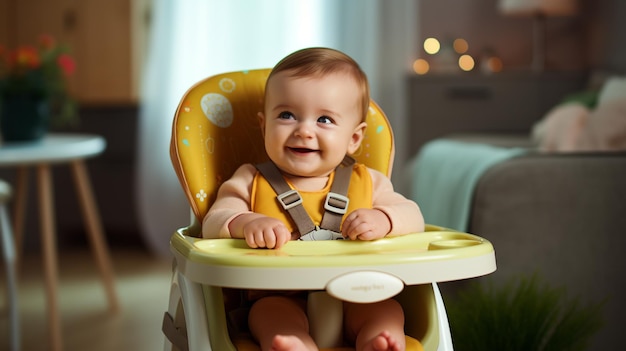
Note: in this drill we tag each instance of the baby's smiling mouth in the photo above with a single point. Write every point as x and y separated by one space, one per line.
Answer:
302 150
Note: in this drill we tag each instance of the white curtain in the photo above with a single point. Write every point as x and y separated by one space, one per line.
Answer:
193 39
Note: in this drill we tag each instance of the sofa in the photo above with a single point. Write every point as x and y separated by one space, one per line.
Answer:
560 215
551 199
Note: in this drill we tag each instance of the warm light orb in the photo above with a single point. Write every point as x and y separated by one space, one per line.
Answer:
494 64
466 62
460 46
421 66
431 46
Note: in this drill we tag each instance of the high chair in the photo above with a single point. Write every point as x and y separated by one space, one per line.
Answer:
215 130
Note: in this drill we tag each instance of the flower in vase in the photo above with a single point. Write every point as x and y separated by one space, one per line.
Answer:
40 71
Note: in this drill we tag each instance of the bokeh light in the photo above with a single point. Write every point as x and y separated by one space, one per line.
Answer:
466 62
421 66
494 64
460 45
431 46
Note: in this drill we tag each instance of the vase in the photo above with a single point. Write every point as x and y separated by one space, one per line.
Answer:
23 116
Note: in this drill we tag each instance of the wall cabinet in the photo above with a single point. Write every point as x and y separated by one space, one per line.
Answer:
507 102
99 33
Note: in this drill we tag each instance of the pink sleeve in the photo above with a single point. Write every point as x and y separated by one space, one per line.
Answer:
233 199
404 214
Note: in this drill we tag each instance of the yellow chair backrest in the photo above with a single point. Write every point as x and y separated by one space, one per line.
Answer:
216 130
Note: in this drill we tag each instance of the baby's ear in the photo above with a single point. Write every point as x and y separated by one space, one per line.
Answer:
261 117
357 138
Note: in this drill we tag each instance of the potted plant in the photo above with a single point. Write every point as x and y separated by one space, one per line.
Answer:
523 314
33 89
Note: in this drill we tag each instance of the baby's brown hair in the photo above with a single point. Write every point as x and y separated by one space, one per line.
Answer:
319 61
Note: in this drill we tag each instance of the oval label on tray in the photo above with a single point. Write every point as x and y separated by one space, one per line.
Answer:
365 286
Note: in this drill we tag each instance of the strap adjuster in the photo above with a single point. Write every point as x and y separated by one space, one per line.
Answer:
289 199
336 203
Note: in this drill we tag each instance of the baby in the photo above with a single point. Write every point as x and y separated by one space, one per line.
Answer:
316 101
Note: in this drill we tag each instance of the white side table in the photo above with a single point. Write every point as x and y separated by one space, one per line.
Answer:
70 149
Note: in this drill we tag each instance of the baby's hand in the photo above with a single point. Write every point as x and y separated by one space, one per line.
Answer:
365 224
263 231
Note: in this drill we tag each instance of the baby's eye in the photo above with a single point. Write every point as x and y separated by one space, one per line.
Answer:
325 120
286 115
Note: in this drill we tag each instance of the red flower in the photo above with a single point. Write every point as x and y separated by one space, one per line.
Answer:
67 64
26 56
47 41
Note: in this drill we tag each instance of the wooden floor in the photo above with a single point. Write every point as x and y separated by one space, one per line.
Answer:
142 282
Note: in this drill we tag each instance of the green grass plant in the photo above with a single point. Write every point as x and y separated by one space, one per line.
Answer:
523 314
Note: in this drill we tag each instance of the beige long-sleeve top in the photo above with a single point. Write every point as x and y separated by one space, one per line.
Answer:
233 199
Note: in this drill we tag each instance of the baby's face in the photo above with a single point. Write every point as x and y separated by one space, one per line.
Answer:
311 123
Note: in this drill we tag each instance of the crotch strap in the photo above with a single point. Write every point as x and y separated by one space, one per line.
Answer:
335 205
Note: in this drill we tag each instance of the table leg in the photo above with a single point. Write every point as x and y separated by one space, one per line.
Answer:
96 233
50 260
19 211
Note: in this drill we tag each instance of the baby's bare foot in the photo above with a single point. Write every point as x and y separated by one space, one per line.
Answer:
287 343
384 342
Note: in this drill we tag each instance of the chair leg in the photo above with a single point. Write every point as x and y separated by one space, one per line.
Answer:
19 212
9 255
445 338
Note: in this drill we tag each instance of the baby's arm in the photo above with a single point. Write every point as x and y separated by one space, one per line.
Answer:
231 217
233 199
259 230
392 214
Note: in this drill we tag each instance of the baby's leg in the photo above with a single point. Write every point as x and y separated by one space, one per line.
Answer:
375 327
280 315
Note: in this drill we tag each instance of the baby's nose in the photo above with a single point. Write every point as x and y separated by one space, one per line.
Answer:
303 130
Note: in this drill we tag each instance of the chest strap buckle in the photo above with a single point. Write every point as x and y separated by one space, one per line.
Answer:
289 199
321 234
336 203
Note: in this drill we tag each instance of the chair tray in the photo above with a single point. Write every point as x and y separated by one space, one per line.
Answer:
418 258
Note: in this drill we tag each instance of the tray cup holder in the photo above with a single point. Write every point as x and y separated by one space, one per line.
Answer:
452 244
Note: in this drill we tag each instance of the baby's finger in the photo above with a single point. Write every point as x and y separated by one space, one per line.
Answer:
250 240
269 238
354 231
349 225
259 239
282 236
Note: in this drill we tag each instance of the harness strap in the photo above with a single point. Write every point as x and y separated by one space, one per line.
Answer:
289 198
336 203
